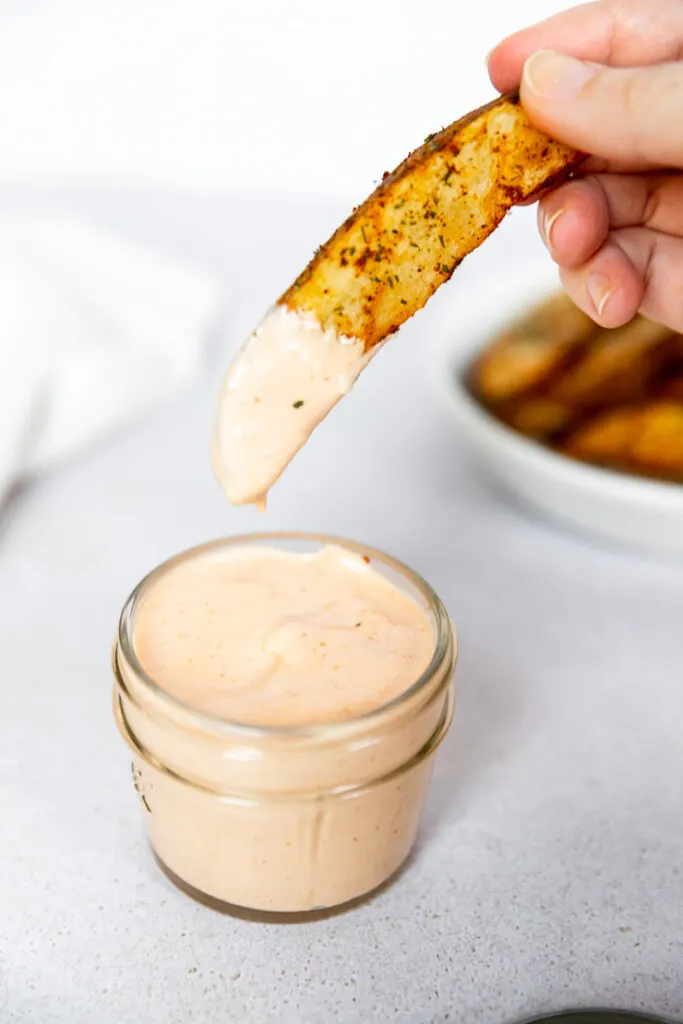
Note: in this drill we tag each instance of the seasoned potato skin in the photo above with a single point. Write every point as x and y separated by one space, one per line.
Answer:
407 238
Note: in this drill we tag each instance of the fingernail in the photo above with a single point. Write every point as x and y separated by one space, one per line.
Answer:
555 76
548 221
600 290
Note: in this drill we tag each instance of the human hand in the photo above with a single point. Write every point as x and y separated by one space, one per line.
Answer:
607 78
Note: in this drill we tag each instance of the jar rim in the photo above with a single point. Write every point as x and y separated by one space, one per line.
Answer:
444 640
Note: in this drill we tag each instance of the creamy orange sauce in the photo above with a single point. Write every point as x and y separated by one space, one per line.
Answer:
269 637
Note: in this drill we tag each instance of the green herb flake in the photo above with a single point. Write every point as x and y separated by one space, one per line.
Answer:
297 404
365 237
443 244
447 175
444 269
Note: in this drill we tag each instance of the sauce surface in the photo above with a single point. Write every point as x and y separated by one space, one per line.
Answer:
267 637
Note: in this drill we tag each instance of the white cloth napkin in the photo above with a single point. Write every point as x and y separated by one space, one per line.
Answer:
93 330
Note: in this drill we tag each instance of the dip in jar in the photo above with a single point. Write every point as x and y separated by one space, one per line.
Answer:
283 697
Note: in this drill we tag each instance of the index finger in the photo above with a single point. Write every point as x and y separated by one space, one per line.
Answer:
620 33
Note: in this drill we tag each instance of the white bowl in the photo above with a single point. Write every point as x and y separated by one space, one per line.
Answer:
615 506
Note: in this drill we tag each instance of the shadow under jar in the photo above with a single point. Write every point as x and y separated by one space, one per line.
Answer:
284 819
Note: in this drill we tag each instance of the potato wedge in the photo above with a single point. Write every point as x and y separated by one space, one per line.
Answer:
645 439
407 238
605 438
671 386
379 268
531 350
658 448
618 367
536 416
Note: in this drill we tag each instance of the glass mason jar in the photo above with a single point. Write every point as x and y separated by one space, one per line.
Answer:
283 819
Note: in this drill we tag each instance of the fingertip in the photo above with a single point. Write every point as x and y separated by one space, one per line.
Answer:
607 287
542 112
574 221
500 65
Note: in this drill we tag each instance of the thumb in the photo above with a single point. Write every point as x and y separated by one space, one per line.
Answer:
632 115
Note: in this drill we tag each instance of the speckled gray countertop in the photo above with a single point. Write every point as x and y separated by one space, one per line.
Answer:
548 871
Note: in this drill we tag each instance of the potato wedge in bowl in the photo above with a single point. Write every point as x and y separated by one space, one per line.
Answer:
620 505
613 398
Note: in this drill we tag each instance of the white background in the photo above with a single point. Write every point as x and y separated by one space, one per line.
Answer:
307 95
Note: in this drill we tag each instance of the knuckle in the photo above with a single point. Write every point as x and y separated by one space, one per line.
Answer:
652 102
637 24
625 26
634 93
652 205
638 97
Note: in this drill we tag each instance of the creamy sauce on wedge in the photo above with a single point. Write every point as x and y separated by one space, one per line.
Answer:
285 379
